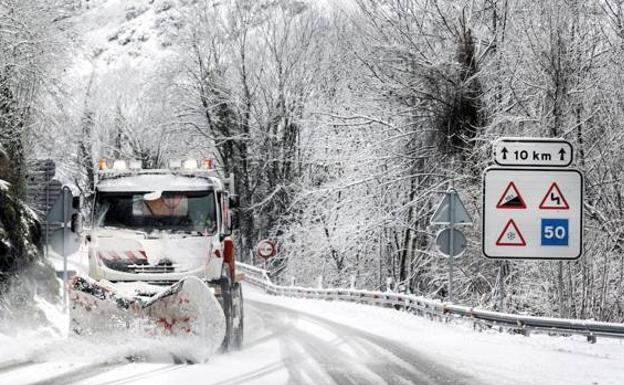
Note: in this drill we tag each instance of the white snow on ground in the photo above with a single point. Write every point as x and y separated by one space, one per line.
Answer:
54 343
494 357
22 342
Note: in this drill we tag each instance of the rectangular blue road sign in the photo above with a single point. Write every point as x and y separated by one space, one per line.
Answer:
554 232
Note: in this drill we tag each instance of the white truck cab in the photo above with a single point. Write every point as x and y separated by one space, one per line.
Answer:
159 226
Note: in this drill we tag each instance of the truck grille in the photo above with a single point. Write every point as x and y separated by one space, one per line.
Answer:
152 269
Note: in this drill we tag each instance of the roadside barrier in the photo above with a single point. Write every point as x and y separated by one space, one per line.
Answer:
521 324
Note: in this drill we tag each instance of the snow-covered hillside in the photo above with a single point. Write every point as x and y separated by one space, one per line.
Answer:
120 34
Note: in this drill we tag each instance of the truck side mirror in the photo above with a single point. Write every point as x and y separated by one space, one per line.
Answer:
77 202
231 223
227 227
77 223
234 201
234 220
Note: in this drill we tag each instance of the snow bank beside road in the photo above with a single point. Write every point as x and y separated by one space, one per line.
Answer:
18 342
54 343
42 346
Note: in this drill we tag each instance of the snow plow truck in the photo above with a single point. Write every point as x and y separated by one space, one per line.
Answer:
161 254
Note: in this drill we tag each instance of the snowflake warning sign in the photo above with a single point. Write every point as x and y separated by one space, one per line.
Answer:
511 235
554 199
511 198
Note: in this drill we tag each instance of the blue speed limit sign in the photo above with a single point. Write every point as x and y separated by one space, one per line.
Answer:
554 232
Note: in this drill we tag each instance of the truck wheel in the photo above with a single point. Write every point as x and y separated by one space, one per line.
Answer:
232 300
238 329
226 302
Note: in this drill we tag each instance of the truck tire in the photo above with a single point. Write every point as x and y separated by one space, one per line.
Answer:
239 314
232 301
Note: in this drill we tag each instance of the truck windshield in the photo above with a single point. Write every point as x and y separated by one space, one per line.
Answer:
187 211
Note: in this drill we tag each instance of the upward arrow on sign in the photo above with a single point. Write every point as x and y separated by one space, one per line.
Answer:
442 214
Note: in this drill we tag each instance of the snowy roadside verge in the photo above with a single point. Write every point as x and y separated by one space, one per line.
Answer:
491 356
52 341
22 341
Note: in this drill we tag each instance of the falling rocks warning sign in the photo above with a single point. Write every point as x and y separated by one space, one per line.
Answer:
511 198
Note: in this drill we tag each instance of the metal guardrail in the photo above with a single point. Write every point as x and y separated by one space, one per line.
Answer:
521 324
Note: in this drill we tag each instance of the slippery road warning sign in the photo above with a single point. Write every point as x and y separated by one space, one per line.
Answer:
554 199
511 236
511 198
532 213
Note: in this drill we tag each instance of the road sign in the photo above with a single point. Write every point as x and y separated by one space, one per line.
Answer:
61 207
544 219
554 199
534 152
42 191
511 235
443 241
443 214
451 211
555 232
511 198
61 240
266 249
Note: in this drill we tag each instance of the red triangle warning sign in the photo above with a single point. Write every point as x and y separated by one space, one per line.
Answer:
554 199
511 198
511 235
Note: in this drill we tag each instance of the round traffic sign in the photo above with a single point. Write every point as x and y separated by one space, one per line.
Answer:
266 249
443 241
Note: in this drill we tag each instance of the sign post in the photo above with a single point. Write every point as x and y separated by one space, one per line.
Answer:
532 203
67 196
451 242
61 240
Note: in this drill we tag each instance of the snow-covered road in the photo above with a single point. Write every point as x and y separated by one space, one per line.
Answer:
292 341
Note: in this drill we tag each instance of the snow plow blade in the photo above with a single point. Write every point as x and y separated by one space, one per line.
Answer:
187 308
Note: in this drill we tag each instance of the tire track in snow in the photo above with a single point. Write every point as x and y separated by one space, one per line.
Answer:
81 374
8 366
320 361
141 376
75 375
